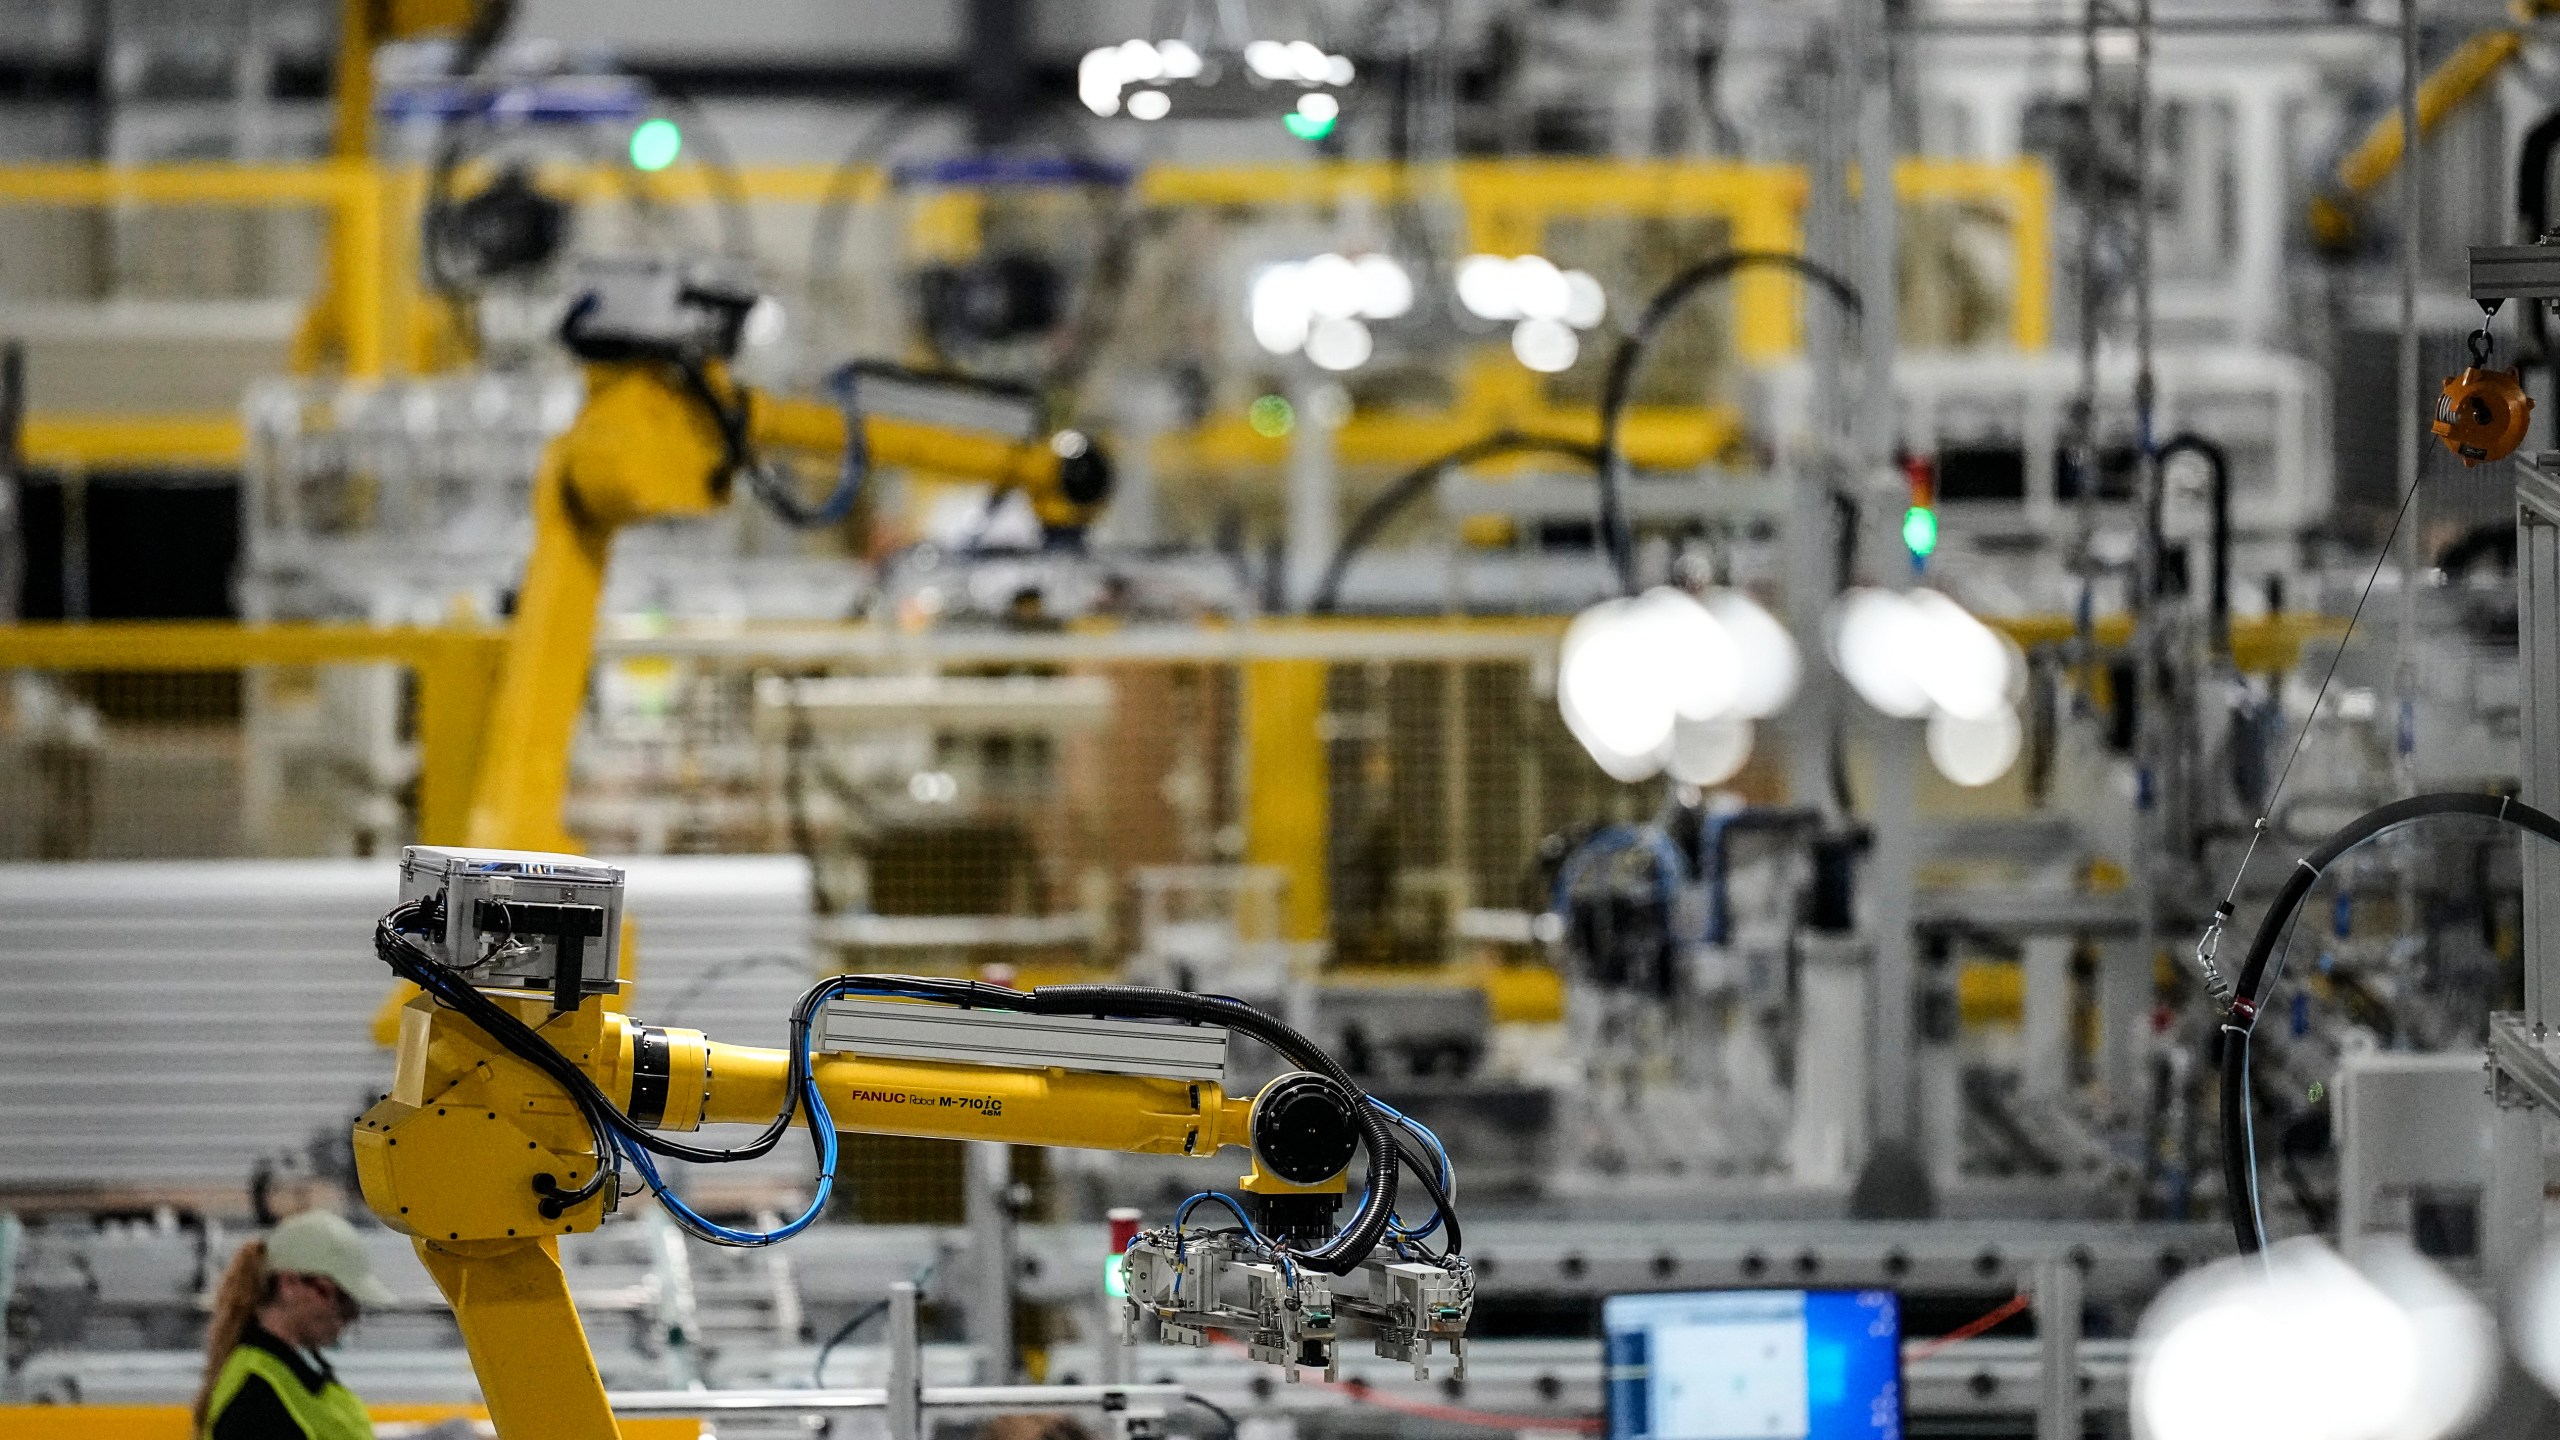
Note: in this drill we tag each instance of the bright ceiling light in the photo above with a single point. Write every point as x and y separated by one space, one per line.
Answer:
1333 286
1319 106
1181 62
1268 59
1607 688
1287 301
1277 306
1707 752
1546 346
1308 62
1098 80
1911 653
1974 752
1538 288
2457 1340
1484 287
1339 343
2330 1354
1694 661
1658 681
1337 70
2536 1334
1873 634
1140 61
1769 668
1150 105
1386 291
1965 665
1585 303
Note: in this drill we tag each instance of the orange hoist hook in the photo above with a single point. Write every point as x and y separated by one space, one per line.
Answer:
2481 413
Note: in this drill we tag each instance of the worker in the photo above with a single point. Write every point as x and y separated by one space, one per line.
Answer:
282 1300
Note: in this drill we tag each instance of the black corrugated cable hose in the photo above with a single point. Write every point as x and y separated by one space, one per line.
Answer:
2238 1167
1410 487
1617 534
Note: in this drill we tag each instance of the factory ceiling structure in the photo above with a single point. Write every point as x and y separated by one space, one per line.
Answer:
1279 719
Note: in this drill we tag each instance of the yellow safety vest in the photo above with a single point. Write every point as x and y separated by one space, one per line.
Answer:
331 1413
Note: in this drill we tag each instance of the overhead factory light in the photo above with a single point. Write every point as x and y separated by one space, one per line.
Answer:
1663 682
1386 291
1152 79
1917 654
1707 752
1974 752
1607 691
1323 306
1769 669
2535 1335
1529 287
1538 291
1586 304
1338 342
2301 1345
1547 305
1546 346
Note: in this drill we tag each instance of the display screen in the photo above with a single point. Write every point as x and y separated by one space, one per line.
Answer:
1754 1365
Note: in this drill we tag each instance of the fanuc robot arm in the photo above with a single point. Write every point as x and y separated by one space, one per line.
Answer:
662 435
520 1102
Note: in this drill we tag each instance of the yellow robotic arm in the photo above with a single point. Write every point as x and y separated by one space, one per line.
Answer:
515 1085
654 442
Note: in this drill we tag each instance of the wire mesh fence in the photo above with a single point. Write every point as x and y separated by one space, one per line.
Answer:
1061 806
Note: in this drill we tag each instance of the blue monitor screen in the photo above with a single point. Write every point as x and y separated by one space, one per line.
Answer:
1754 1365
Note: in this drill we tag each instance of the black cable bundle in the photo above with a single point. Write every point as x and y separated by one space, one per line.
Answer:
2239 1151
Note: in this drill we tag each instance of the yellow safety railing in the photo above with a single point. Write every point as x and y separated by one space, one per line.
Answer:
456 670
371 317
357 297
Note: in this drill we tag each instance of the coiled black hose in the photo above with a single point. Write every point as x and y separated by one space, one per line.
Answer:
1410 486
2238 1150
1617 532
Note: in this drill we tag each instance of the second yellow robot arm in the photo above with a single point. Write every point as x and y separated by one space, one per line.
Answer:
645 448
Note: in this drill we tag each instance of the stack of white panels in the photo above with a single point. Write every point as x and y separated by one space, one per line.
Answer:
165 1026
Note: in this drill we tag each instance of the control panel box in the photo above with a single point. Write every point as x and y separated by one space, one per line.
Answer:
522 919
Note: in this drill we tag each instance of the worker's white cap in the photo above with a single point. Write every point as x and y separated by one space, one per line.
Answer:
317 1242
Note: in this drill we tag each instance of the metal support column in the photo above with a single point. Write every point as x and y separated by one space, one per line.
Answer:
2057 1311
2538 625
906 1365
1892 872
1890 885
2047 1020
992 1261
2511 1210
1825 469
2124 1028
1827 1136
1314 490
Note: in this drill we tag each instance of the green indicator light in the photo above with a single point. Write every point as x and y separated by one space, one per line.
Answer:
1271 417
1307 127
1920 531
654 144
1115 1276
